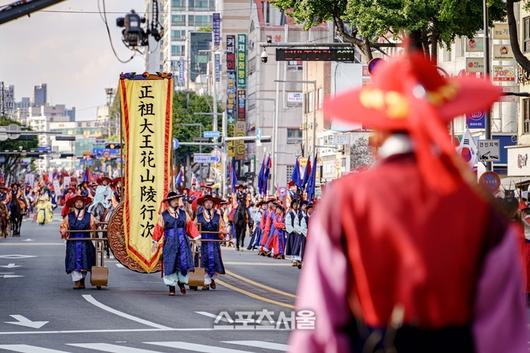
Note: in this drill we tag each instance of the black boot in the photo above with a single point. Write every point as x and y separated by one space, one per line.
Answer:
182 288
171 291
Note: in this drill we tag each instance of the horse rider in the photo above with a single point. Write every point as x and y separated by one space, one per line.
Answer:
103 195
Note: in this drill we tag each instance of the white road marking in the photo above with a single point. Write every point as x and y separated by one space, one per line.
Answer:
25 348
93 301
24 321
213 316
16 256
196 347
10 266
29 239
127 330
10 276
120 265
261 344
26 244
111 348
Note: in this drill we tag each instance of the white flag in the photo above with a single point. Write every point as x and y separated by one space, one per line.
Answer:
468 149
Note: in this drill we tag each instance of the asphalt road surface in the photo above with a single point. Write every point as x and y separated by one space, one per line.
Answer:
41 313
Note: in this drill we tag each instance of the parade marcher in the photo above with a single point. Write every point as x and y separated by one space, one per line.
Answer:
257 213
171 233
117 186
267 225
70 192
293 218
277 239
84 189
43 208
301 228
384 269
80 254
211 228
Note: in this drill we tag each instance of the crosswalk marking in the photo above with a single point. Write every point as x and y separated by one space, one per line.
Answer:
25 348
261 344
178 345
196 347
111 348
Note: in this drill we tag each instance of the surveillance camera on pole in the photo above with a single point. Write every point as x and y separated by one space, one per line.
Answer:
133 33
264 56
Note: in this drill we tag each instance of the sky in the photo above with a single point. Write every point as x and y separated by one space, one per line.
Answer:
68 51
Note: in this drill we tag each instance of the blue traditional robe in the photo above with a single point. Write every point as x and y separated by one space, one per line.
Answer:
176 253
211 259
81 254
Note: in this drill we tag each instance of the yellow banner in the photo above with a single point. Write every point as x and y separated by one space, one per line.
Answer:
146 103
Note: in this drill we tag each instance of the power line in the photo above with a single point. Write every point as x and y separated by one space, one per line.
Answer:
104 18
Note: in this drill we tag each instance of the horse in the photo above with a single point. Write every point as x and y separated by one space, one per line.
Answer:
241 219
4 219
15 217
102 216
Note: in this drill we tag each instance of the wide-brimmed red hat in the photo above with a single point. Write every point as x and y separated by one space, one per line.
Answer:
409 94
202 200
71 201
116 180
102 179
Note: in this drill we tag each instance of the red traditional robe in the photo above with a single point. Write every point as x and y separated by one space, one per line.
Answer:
385 247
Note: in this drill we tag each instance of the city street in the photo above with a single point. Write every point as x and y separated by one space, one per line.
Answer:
40 312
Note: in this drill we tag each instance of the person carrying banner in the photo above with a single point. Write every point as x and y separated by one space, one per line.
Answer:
171 232
421 259
80 254
211 228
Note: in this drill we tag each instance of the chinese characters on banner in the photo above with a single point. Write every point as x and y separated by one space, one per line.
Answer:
146 118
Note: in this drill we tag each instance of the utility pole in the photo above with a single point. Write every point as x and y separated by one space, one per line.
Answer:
489 165
214 89
110 94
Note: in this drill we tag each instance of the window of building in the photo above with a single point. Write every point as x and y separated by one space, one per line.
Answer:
294 135
309 102
526 34
199 20
178 20
526 116
201 5
266 9
177 50
320 100
289 174
178 4
178 34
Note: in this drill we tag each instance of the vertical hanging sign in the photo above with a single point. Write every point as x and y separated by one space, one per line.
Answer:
146 102
216 26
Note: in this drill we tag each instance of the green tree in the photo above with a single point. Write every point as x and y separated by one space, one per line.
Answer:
185 107
363 22
12 162
514 37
